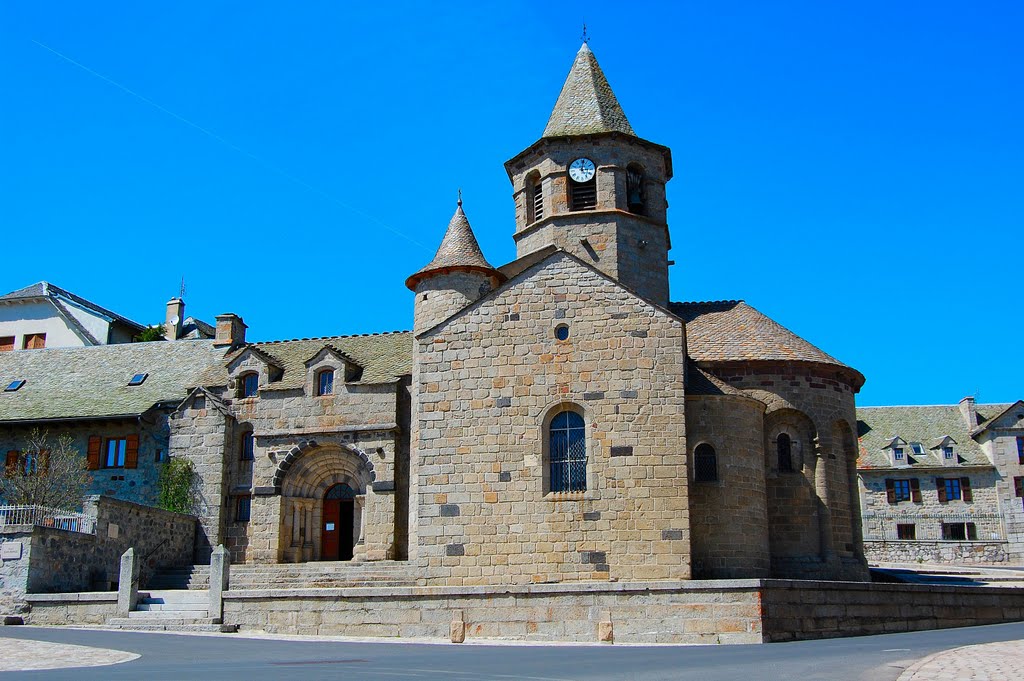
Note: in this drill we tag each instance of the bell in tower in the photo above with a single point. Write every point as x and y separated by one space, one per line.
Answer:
590 186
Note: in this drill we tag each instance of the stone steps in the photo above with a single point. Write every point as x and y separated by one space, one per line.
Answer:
183 625
171 610
293 576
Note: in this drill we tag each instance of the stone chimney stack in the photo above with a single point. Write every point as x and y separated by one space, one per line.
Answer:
230 330
174 318
969 413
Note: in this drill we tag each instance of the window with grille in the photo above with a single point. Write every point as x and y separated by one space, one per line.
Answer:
583 195
959 531
635 189
568 453
906 531
784 448
705 463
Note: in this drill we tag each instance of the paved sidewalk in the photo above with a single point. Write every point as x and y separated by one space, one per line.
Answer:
19 655
987 662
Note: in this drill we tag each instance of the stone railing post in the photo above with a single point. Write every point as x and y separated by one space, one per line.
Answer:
220 569
128 583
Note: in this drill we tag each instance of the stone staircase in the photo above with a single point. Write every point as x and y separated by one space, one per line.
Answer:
321 575
185 610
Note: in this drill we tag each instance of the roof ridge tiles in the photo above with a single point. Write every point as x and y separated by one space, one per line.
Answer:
320 338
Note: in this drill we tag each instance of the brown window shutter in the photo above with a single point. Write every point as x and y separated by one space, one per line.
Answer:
11 463
93 454
131 453
965 487
915 490
890 491
940 487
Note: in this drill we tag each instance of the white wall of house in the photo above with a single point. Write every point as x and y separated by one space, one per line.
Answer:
98 326
28 318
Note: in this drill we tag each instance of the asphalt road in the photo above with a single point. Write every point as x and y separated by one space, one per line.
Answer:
193 658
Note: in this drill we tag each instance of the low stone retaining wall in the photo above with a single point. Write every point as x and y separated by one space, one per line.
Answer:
94 607
907 551
723 611
807 610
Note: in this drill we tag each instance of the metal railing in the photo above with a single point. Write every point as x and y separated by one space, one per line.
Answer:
44 516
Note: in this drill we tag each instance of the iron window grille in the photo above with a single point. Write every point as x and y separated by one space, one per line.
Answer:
705 464
568 453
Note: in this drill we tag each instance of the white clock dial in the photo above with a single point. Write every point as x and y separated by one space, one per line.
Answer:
582 169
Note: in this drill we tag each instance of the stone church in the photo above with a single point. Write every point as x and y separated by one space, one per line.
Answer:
554 419
557 418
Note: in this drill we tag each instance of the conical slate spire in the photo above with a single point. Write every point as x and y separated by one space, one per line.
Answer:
459 250
586 104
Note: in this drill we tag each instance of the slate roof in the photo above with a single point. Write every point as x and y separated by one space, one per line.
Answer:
458 250
44 289
877 426
586 104
731 330
92 382
193 329
383 356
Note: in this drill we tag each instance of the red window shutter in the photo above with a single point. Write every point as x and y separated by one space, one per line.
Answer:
965 487
131 452
940 487
11 463
915 490
890 491
93 454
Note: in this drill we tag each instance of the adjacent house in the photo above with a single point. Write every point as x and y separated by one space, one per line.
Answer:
943 483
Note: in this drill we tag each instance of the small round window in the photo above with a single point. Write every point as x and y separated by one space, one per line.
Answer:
562 332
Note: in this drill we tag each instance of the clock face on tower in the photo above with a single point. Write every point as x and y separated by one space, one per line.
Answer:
581 170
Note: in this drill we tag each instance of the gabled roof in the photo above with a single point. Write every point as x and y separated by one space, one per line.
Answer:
251 349
92 382
459 250
45 289
586 104
331 349
384 357
989 420
193 329
732 331
876 427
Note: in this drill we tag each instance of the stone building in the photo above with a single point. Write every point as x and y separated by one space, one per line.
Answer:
943 483
555 419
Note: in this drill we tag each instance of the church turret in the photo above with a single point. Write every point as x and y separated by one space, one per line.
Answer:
595 189
457 276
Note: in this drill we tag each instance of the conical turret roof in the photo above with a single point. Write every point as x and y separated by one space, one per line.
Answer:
459 250
586 104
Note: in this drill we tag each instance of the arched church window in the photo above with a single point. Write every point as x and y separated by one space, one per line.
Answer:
534 198
635 189
568 452
705 463
784 448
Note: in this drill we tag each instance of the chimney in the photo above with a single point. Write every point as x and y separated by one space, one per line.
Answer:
230 330
175 315
969 413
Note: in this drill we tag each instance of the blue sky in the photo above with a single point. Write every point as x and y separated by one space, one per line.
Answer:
855 171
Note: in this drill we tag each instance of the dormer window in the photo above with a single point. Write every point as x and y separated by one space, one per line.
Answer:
138 379
250 385
947 453
917 448
325 382
897 454
13 386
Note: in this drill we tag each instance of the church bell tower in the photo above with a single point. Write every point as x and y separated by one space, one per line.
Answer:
590 186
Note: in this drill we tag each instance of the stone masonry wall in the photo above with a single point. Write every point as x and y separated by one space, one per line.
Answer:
971 552
1001 447
928 515
131 484
825 397
490 380
441 295
729 520
14 571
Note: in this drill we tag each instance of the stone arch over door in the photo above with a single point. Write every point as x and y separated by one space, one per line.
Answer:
303 480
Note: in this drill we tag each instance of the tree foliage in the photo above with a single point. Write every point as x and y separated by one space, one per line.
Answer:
151 333
45 472
178 486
